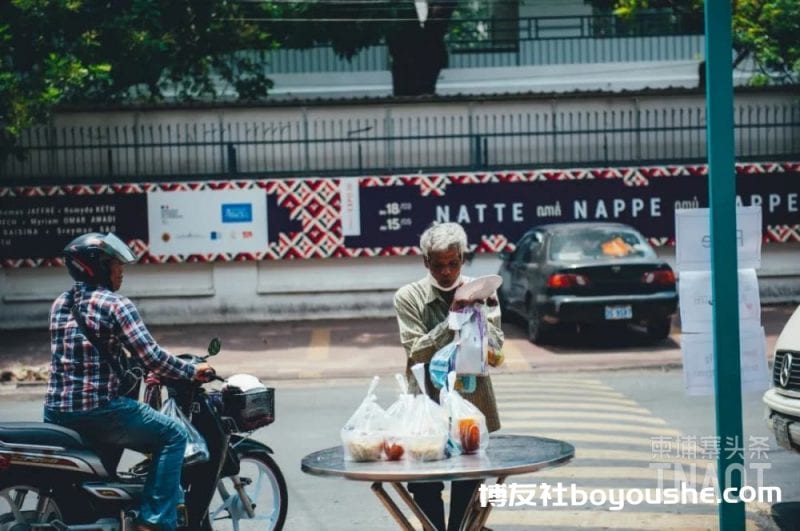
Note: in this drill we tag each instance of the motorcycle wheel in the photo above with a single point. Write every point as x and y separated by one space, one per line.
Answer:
24 505
264 484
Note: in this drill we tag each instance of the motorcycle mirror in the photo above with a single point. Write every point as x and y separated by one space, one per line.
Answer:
214 347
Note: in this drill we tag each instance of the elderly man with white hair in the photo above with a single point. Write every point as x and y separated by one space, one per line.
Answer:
422 308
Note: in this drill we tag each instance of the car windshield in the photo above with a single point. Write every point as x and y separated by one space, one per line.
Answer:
598 243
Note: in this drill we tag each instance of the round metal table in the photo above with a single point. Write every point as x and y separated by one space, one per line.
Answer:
506 455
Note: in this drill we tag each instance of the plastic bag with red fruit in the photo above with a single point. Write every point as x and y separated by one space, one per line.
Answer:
468 432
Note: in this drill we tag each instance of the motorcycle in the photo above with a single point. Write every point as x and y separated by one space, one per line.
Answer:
50 479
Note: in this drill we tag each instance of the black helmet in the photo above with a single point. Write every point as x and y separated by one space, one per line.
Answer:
88 257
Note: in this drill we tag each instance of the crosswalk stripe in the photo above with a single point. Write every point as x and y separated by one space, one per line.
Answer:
562 399
587 394
595 426
589 437
556 376
621 417
555 406
632 455
527 381
606 519
605 472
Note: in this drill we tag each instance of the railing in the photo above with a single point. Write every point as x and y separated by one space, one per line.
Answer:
521 42
389 143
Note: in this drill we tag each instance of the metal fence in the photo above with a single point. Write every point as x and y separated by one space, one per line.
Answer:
526 41
389 143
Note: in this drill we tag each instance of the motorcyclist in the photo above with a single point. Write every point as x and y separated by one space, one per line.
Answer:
83 392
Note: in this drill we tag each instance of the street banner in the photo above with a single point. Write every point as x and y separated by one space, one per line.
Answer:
693 239
696 306
698 362
309 218
206 221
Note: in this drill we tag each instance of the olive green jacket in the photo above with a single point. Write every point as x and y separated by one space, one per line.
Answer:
422 318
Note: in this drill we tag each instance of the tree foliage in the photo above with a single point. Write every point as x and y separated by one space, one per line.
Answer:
417 51
766 30
62 51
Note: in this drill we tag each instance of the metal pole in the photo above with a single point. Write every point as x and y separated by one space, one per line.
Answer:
724 264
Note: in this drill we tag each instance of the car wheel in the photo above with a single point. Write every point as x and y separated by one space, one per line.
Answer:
536 328
658 329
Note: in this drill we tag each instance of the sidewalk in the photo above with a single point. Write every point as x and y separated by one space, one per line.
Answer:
328 349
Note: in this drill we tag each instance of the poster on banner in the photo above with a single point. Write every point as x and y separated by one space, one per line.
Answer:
207 221
698 362
693 238
351 206
696 300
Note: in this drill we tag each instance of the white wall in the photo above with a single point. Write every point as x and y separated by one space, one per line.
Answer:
292 289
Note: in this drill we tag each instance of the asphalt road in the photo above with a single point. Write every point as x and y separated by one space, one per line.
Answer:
618 421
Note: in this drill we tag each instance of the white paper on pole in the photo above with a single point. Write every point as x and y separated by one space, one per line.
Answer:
698 362
693 238
351 206
696 305
207 221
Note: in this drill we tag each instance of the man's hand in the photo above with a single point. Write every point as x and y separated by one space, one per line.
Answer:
203 372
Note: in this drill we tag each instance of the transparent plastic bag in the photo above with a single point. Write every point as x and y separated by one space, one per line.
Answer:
363 434
426 424
468 433
472 338
196 447
395 440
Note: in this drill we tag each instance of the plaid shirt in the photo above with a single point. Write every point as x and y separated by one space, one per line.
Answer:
82 379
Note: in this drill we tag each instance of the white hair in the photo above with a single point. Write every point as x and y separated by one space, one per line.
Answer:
442 237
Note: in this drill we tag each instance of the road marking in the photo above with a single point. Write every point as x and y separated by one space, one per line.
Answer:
587 409
319 346
539 517
545 389
605 472
593 415
561 397
632 455
588 437
593 426
527 380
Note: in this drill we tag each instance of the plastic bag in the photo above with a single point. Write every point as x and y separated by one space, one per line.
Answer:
443 363
363 434
468 432
426 424
395 440
472 339
196 447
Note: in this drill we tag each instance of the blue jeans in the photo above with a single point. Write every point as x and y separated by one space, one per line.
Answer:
126 423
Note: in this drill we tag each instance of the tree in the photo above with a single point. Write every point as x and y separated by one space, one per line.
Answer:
418 51
64 51
766 30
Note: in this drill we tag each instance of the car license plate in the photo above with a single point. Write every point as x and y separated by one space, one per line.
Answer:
619 312
781 428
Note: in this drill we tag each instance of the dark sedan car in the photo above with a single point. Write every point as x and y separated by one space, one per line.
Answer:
576 273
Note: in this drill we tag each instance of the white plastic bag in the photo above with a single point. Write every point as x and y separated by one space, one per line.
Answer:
196 447
363 434
468 432
472 338
395 440
426 424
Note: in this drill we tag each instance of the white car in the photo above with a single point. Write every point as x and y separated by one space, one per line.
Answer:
783 399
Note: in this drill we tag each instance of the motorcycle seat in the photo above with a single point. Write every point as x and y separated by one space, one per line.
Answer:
40 433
